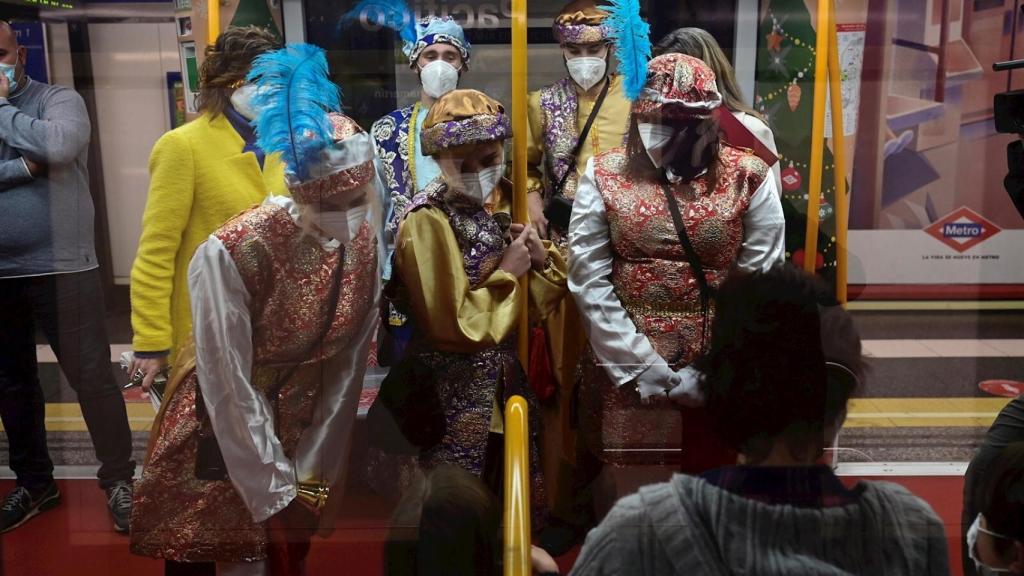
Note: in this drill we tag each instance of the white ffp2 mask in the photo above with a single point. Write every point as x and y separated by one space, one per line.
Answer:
657 140
972 542
241 101
480 185
586 71
439 78
343 225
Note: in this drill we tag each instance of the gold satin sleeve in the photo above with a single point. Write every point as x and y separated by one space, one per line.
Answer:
454 317
548 287
534 145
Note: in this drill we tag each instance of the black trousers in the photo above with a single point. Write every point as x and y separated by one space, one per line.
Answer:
69 310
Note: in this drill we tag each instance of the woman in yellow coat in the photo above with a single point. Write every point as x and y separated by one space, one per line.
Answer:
201 175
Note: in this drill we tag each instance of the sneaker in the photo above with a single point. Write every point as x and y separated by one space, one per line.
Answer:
119 501
21 504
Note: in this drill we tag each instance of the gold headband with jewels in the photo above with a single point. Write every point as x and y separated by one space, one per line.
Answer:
475 130
463 117
581 22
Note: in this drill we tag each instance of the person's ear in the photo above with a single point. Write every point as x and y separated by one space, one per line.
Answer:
22 55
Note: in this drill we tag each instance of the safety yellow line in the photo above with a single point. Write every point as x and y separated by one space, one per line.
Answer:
863 413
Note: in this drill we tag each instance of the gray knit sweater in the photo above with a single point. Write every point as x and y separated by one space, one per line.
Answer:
46 223
688 526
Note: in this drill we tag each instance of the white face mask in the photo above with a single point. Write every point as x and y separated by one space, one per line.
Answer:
657 139
587 71
241 100
480 185
343 225
439 78
972 542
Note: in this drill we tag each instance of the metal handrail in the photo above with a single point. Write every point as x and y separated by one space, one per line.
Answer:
516 536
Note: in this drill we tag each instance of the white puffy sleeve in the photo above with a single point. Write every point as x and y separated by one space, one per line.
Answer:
241 418
324 446
625 352
764 230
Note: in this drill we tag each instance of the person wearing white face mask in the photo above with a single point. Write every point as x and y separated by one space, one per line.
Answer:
995 539
254 432
456 274
201 174
656 226
569 122
439 55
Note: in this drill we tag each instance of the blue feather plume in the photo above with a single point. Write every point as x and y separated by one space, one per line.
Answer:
294 94
397 16
632 44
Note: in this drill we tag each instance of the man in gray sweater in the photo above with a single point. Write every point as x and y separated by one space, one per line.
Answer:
49 280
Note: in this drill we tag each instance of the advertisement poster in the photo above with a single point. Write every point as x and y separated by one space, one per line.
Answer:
929 213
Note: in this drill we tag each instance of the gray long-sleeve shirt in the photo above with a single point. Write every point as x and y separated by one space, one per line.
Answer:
46 223
689 526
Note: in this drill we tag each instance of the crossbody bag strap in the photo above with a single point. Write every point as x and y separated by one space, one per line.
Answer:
557 190
706 292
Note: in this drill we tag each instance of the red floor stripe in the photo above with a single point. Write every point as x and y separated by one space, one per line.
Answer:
76 538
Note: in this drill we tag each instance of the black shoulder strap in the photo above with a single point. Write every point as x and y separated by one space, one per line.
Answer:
557 190
694 260
684 239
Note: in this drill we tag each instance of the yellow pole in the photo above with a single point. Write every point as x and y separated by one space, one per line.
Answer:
212 21
519 209
517 489
839 155
817 135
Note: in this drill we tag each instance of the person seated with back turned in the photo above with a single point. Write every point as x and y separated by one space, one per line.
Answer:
782 365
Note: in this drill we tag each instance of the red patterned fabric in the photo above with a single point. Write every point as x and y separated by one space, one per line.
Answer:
678 86
287 274
658 289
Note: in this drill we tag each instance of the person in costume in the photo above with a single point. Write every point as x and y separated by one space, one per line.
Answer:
201 174
558 114
254 435
438 54
644 284
557 154
699 43
458 268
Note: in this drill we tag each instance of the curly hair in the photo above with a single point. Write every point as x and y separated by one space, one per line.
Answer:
766 377
227 62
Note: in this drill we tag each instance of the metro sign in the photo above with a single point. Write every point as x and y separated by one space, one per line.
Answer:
962 229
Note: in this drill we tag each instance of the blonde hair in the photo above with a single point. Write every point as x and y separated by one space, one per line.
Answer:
699 43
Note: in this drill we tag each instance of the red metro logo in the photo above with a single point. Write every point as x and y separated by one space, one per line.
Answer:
962 229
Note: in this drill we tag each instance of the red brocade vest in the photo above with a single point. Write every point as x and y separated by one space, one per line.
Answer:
650 272
288 275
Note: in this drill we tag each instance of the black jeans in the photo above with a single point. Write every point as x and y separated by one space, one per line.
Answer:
69 310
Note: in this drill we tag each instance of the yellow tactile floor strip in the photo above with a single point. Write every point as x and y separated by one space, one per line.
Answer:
864 413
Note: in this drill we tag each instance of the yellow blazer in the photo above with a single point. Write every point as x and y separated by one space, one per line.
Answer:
199 178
